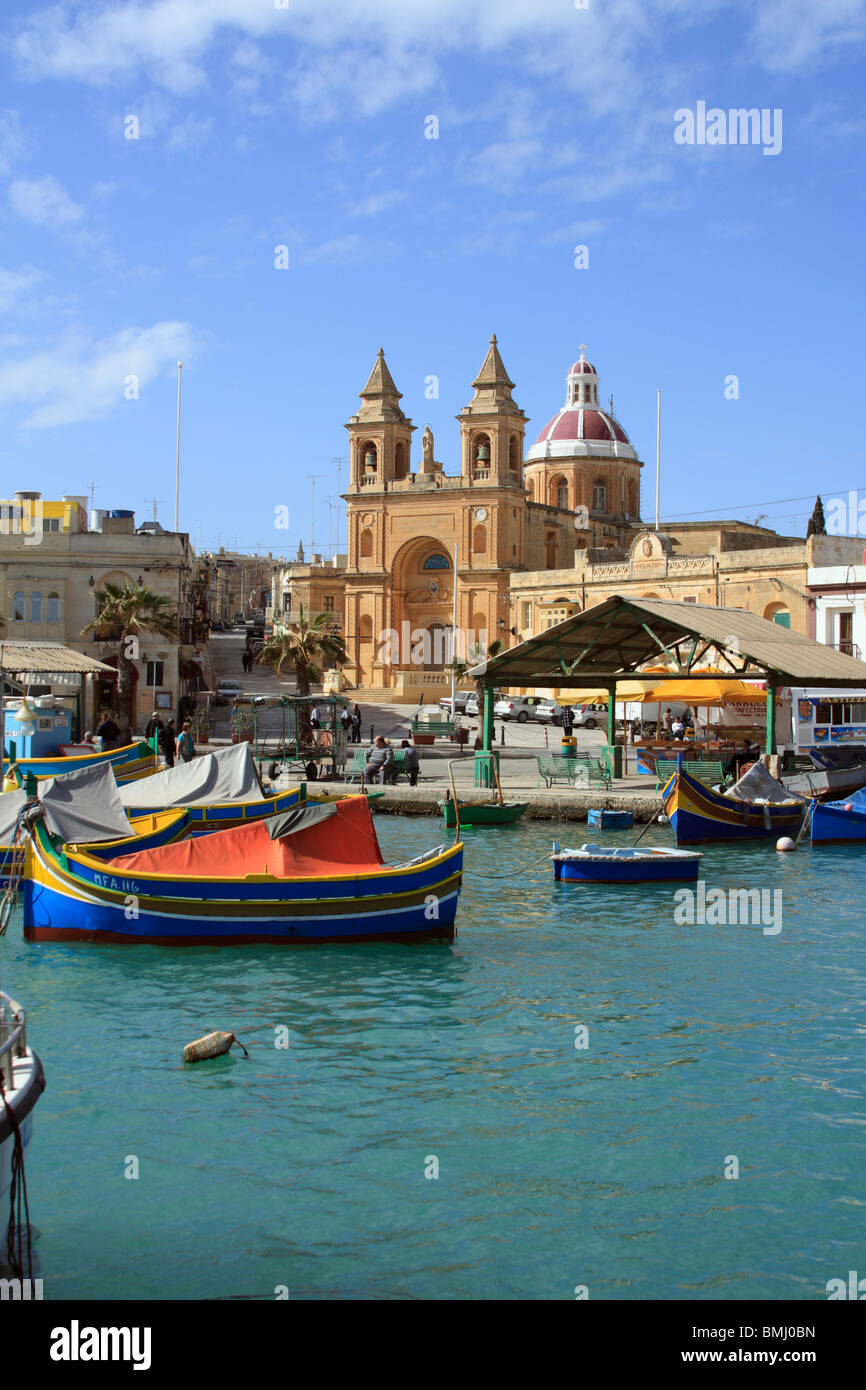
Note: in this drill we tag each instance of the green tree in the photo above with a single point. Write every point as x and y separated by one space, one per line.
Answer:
123 614
305 645
816 525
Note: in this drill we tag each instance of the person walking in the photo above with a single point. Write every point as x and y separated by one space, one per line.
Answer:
567 720
168 742
356 724
185 744
413 761
346 718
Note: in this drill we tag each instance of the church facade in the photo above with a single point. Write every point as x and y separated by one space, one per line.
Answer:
508 512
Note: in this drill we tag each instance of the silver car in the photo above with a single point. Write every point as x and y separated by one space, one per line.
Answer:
521 707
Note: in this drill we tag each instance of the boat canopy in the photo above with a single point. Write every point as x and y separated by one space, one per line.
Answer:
313 844
757 784
229 774
84 806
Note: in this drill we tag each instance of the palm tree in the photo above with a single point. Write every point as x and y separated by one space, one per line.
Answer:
124 613
304 645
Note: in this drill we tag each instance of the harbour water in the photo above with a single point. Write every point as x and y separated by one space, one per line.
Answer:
559 1166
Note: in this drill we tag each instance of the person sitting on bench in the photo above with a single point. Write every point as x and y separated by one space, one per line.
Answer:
379 762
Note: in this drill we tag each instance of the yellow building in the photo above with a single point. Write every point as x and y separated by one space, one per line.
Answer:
405 527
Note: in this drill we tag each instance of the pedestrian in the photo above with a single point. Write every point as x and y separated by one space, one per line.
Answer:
185 743
667 721
413 761
108 732
345 718
168 742
356 724
379 762
315 721
677 728
567 719
739 758
153 726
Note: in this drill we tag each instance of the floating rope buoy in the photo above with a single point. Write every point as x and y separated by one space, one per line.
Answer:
211 1045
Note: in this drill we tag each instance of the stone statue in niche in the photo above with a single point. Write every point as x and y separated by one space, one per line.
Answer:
427 447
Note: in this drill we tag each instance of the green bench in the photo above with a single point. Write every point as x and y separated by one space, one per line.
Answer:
359 762
595 769
709 774
440 728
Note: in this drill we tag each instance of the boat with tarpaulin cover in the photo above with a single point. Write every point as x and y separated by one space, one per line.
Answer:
840 822
757 807
313 874
132 761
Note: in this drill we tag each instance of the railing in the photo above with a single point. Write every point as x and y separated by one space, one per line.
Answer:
370 481
847 648
13 1037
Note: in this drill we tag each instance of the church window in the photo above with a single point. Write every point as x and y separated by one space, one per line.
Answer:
329 603
527 615
36 607
19 608
599 497
514 454
400 466
52 609
562 494
436 561
479 540
367 542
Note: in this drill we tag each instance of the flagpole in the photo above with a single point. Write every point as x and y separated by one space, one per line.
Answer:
454 638
658 451
177 457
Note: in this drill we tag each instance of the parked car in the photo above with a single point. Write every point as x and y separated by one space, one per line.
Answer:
226 691
520 707
460 698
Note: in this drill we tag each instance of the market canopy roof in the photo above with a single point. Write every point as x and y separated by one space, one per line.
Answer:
28 660
617 637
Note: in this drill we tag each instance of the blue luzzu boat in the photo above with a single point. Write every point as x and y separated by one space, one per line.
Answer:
313 875
840 822
128 763
698 813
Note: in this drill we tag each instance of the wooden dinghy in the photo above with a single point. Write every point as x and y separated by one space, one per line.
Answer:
313 875
598 864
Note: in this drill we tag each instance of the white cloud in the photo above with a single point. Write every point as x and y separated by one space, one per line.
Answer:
44 201
15 144
78 379
14 284
376 203
790 35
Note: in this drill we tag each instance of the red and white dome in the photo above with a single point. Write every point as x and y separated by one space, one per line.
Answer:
581 427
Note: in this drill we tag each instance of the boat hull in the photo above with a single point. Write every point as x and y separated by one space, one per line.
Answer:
487 814
610 820
129 763
29 1080
65 898
832 824
611 870
698 814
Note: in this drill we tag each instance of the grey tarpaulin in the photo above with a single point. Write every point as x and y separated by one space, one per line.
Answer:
227 775
85 805
757 784
11 803
299 818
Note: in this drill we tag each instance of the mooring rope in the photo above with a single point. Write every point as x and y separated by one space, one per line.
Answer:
18 1204
521 870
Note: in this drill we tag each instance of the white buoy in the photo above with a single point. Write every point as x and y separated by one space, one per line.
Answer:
785 843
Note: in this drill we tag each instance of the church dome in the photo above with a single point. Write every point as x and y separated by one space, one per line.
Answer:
580 427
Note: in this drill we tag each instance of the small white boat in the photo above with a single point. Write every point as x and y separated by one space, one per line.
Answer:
597 864
23 1084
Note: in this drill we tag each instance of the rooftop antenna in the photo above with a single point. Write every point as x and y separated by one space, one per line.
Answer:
156 501
339 461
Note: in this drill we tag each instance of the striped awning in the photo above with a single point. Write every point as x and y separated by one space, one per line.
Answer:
47 661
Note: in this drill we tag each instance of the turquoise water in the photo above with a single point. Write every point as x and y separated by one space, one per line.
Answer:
558 1167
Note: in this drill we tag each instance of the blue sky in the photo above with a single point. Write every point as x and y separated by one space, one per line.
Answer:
304 126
